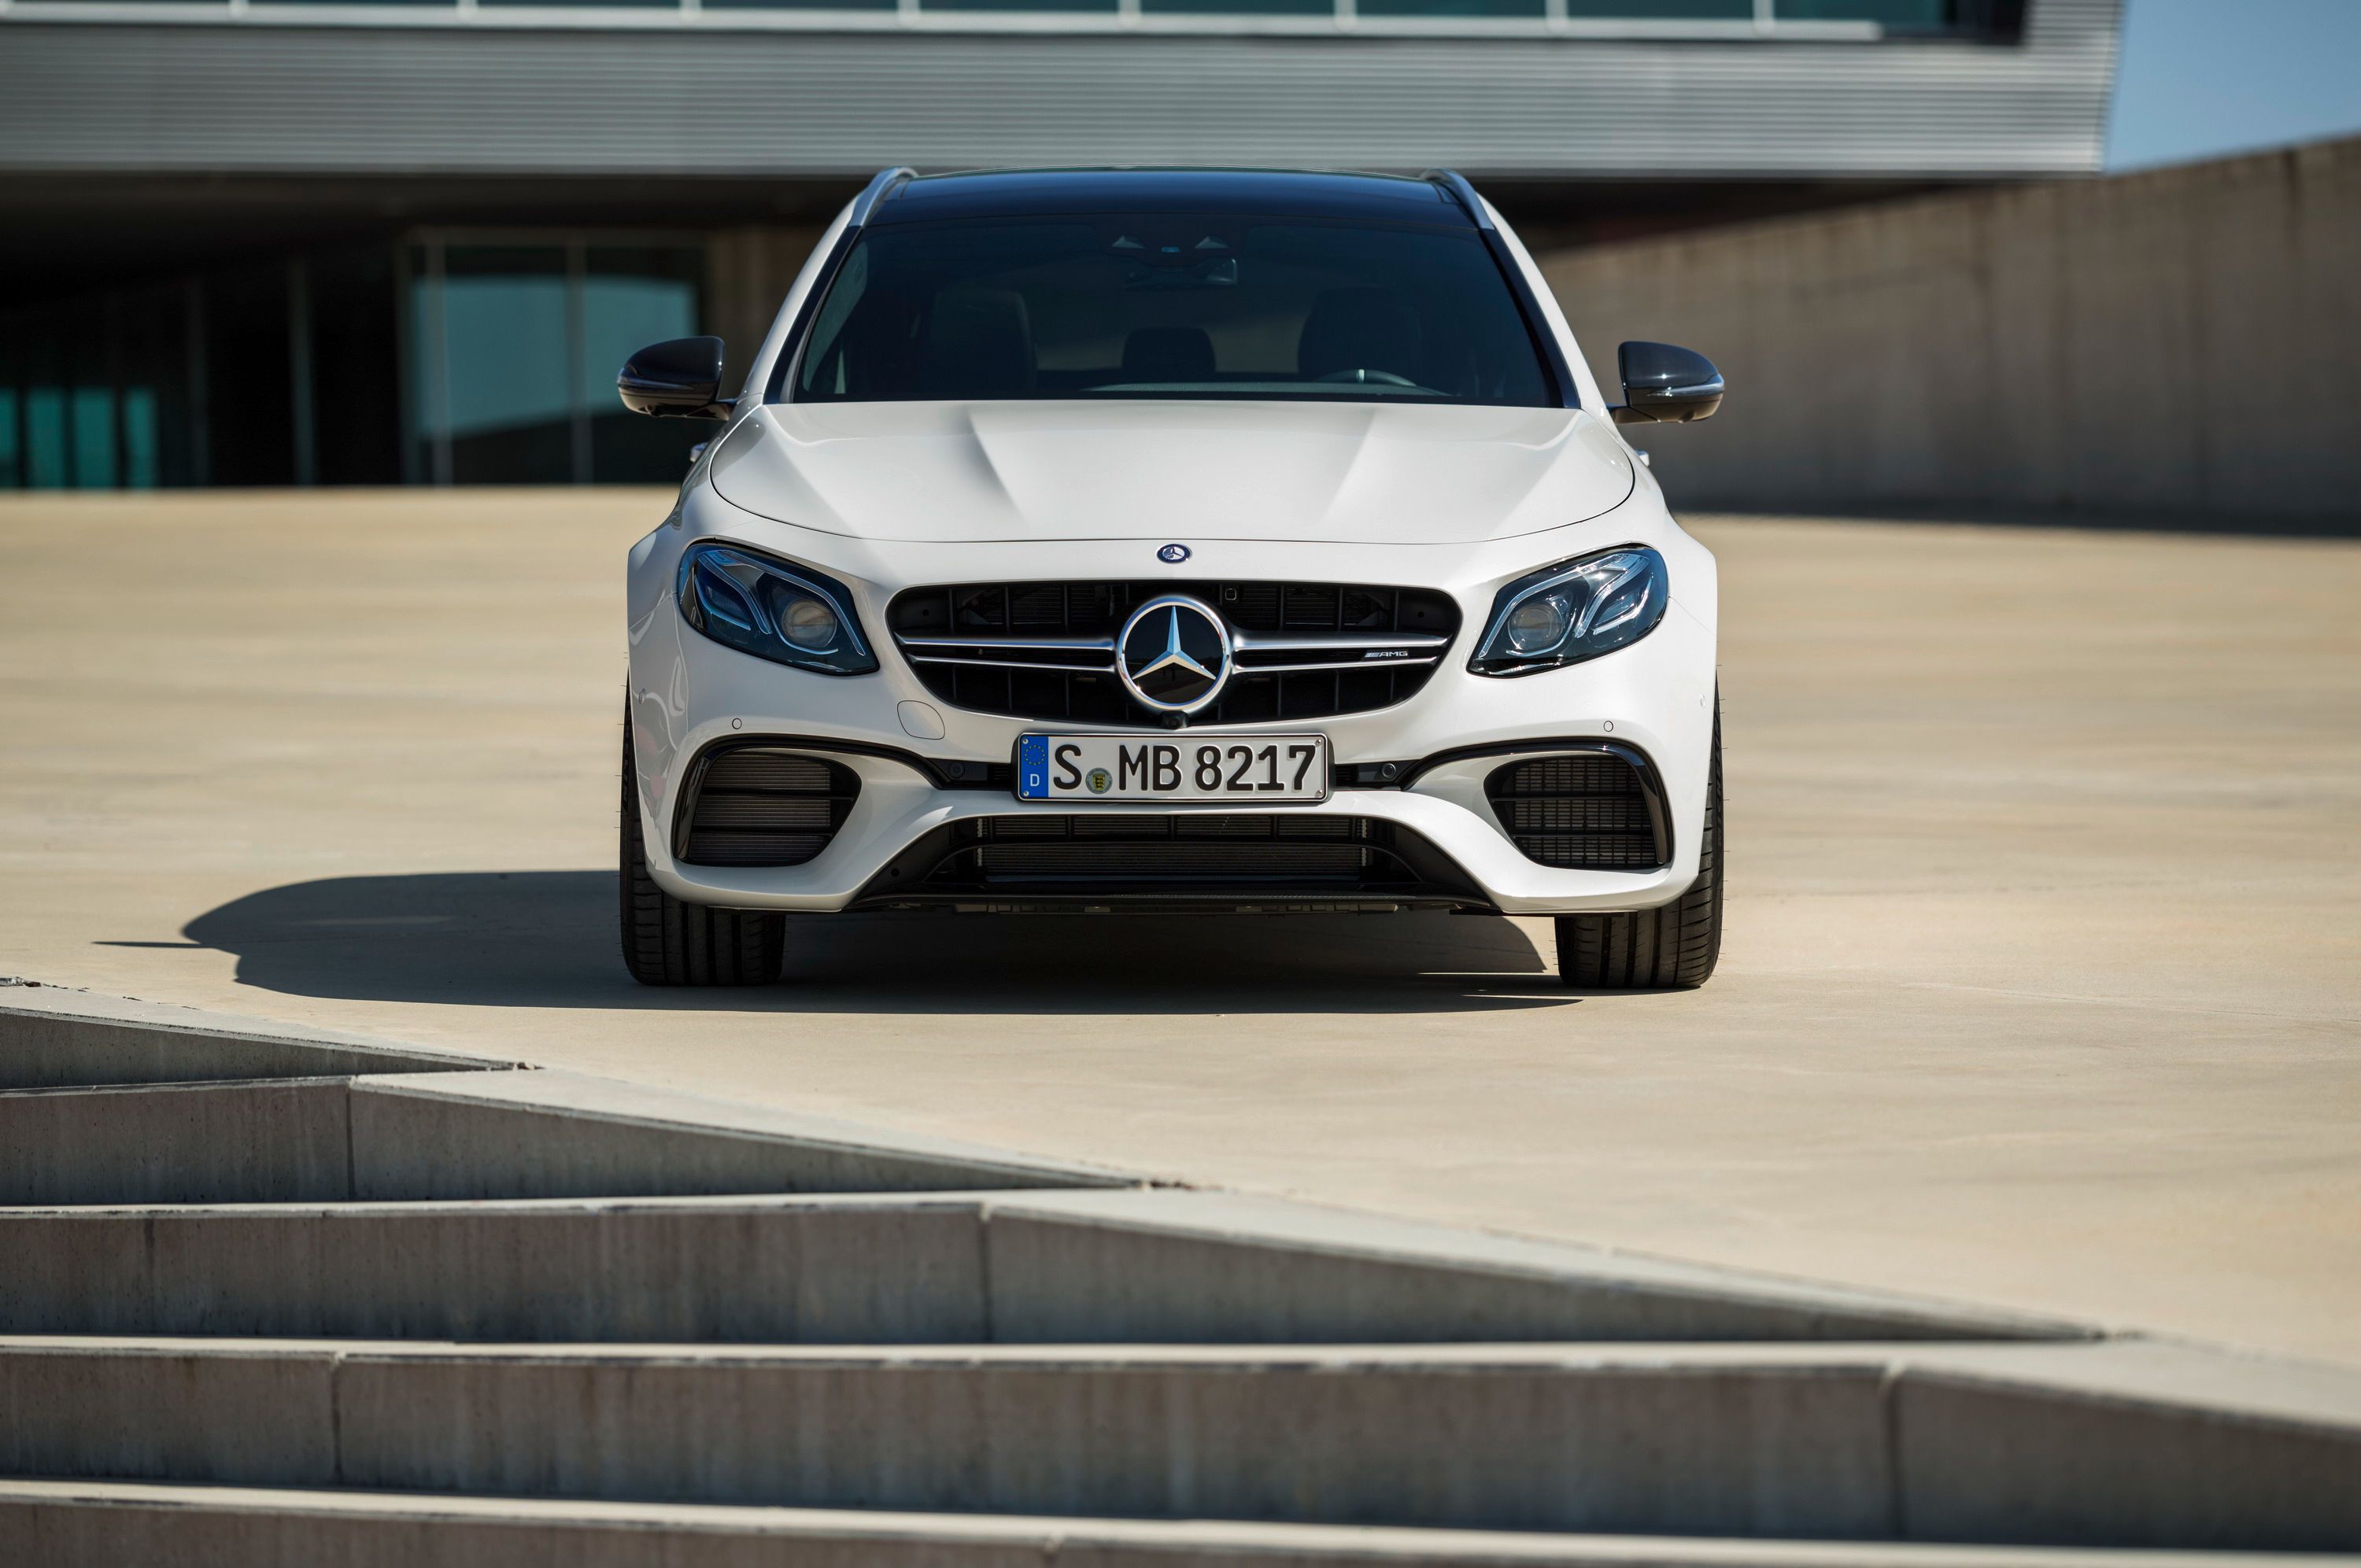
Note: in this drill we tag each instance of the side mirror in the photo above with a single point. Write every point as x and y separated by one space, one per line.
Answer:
676 379
1664 385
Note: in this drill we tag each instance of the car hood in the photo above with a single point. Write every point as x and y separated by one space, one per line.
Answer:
1341 473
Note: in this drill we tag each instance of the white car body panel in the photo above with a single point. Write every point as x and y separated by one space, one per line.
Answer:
1316 473
887 496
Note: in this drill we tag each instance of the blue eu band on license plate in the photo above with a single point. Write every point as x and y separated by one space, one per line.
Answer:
1236 769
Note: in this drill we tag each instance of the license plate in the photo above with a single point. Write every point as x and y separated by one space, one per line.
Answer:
1265 768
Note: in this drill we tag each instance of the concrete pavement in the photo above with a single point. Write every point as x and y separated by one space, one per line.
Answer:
2040 987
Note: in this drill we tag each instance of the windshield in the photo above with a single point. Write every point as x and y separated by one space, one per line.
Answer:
1169 306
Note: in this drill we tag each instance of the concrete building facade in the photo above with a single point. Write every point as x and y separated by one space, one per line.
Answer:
323 241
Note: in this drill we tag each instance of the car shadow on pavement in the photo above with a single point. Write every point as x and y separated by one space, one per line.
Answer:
548 939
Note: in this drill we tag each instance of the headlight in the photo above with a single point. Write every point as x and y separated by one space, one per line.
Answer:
772 610
1572 611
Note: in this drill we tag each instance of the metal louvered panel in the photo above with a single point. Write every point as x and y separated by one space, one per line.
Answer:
1126 861
238 93
1615 813
784 770
1565 776
755 807
1587 813
765 813
708 847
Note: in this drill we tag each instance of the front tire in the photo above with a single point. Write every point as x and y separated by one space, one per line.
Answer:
667 941
1671 949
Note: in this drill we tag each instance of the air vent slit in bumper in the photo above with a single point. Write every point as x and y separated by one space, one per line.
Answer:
1196 859
1585 811
752 805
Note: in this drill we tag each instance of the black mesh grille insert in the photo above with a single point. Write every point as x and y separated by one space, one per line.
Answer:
1587 813
982 674
1115 847
761 808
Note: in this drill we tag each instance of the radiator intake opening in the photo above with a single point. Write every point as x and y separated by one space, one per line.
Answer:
1249 855
1045 651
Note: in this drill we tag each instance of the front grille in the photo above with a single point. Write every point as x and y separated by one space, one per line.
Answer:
1300 650
1588 813
1122 849
752 806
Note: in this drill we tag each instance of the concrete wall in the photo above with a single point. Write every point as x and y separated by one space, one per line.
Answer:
2178 341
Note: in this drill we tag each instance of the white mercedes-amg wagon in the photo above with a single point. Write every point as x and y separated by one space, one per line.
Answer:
1170 539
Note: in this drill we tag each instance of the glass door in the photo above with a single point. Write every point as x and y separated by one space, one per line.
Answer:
514 346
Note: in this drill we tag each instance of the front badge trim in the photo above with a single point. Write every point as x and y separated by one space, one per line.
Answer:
1162 654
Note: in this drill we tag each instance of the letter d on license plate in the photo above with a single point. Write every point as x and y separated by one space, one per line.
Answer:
1267 768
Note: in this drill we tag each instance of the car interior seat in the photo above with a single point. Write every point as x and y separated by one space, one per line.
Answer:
1168 354
978 344
1358 329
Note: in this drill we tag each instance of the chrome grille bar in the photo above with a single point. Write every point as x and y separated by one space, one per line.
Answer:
1330 642
1106 668
1335 665
1017 644
1240 641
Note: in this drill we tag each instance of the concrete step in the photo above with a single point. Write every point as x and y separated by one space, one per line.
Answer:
67 1524
52 1038
254 1142
2121 1442
459 1135
1126 1265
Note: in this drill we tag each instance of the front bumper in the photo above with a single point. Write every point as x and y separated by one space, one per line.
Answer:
688 694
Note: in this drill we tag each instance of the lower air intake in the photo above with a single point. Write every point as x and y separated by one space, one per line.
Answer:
1127 848
752 806
1578 813
1191 855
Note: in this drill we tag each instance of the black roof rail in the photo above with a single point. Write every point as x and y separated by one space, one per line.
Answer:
1451 179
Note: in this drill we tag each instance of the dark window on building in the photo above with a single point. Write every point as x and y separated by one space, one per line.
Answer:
512 350
1519 8
354 368
1663 10
249 399
799 4
632 296
1104 7
1915 16
96 392
1238 7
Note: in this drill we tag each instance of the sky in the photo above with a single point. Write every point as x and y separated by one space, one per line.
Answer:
2206 78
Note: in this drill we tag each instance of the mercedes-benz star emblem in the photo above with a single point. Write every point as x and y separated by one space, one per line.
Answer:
1174 655
1173 554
